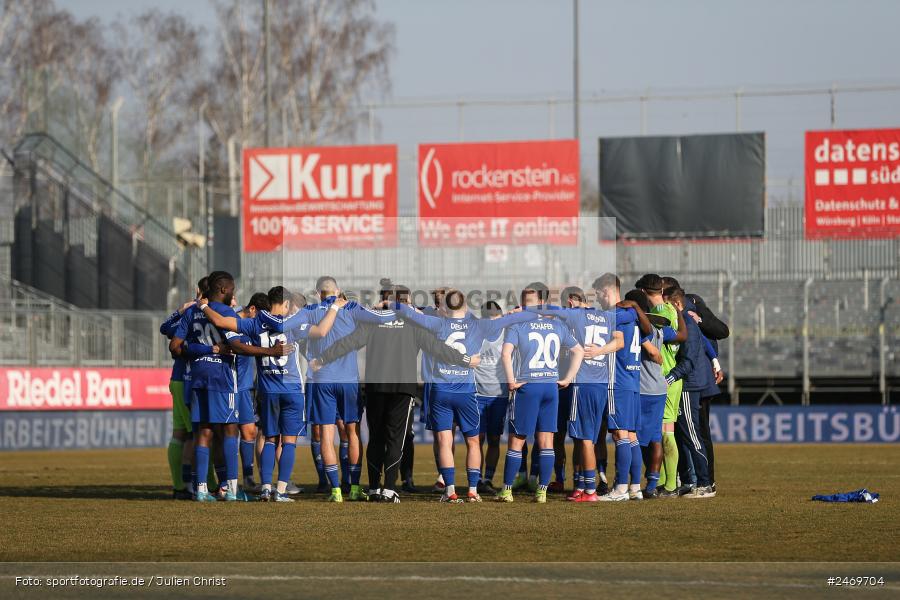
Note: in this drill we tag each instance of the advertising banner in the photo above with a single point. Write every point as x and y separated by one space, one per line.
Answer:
82 430
320 197
499 193
83 389
853 184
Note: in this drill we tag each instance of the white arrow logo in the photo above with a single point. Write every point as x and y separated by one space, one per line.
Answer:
269 177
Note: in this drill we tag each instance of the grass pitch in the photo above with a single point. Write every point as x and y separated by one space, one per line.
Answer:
114 506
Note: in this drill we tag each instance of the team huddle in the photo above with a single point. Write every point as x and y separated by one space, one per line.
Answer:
248 380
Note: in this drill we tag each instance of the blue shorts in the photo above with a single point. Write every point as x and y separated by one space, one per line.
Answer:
332 401
246 410
448 408
624 410
282 413
533 408
588 407
650 426
211 406
425 415
565 408
493 414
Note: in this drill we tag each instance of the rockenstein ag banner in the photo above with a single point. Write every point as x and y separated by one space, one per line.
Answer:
853 184
499 193
316 197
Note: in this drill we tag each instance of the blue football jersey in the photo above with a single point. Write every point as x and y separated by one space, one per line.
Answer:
276 374
466 334
343 369
211 371
245 364
627 374
589 326
537 347
168 329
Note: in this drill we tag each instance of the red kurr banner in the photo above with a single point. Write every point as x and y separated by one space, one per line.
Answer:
62 388
320 197
853 183
499 192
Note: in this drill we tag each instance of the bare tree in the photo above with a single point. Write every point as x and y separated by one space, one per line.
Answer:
91 73
330 54
32 44
160 57
326 57
234 92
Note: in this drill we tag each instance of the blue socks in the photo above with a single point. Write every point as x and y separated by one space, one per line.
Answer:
546 459
578 479
286 462
247 457
222 472
489 473
344 457
623 461
473 476
331 471
449 475
230 448
652 480
316 449
267 463
589 483
201 460
511 468
355 471
637 461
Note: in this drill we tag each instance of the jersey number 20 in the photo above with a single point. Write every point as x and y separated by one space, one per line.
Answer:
547 353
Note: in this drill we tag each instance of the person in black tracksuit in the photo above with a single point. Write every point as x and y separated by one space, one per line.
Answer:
714 329
392 351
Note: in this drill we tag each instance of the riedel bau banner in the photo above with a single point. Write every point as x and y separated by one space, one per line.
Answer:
499 192
63 388
304 198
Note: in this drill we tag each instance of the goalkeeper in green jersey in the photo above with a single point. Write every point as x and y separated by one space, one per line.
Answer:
651 284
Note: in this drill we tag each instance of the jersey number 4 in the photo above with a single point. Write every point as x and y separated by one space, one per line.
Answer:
636 344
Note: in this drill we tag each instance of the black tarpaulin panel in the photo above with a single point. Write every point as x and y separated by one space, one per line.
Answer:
686 186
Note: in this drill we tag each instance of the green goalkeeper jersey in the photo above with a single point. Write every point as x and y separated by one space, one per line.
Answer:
668 351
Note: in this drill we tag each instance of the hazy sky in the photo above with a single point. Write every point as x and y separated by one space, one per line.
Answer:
523 48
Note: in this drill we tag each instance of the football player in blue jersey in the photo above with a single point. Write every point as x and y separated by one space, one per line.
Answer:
586 403
282 404
624 388
453 399
534 382
246 386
